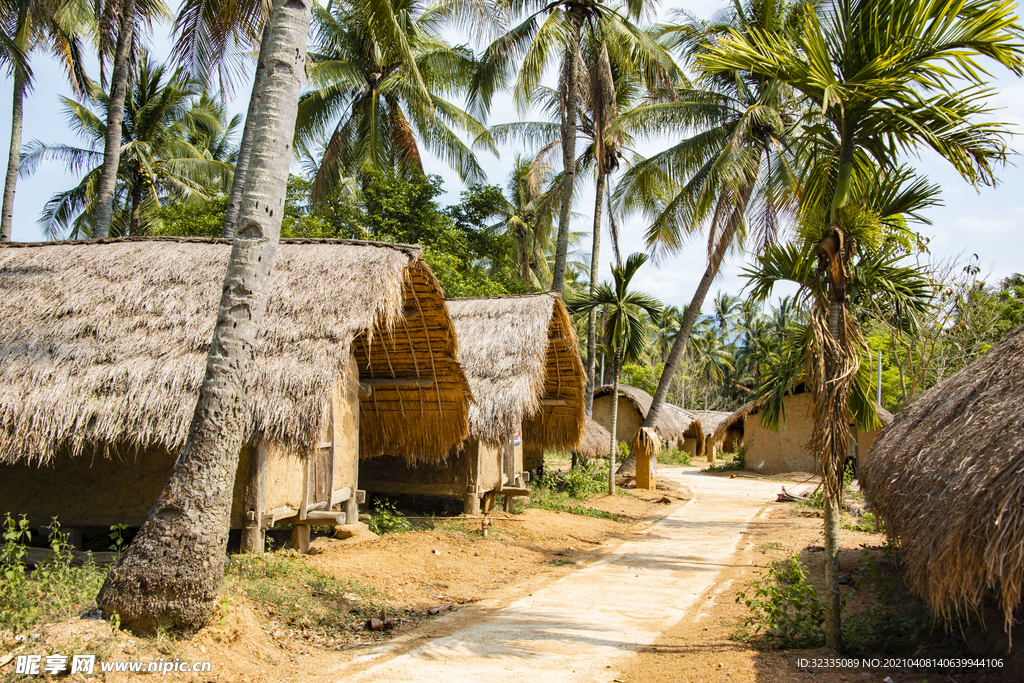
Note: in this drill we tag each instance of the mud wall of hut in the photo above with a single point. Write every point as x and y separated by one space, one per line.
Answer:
629 419
772 452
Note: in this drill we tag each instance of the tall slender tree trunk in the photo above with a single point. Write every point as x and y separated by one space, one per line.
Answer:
831 500
133 229
14 157
245 144
173 570
690 317
595 255
568 154
115 114
615 420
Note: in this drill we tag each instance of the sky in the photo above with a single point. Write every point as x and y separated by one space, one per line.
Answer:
988 222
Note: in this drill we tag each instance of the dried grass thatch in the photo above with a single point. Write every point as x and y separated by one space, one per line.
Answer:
946 476
711 419
675 423
105 343
596 442
521 356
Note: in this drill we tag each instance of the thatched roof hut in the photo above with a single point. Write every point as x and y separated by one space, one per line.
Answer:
946 478
520 354
785 450
597 441
676 424
105 343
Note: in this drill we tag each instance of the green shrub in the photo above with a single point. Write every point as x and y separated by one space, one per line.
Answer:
785 608
674 456
387 519
53 590
891 622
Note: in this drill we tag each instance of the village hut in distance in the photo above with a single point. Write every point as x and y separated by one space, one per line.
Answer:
521 357
946 479
709 423
678 428
775 452
105 345
596 441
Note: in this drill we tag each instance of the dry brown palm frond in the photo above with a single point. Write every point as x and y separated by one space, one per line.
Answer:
946 477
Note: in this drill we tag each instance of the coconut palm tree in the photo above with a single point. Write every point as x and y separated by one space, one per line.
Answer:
363 97
539 37
625 328
529 217
120 24
174 144
732 172
884 76
171 573
611 80
27 26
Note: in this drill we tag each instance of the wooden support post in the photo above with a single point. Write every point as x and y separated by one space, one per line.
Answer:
712 451
509 502
471 503
255 500
300 538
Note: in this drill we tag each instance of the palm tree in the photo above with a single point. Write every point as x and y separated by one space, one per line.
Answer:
530 216
612 81
732 172
725 308
879 87
128 16
625 328
172 572
363 97
174 143
552 34
28 25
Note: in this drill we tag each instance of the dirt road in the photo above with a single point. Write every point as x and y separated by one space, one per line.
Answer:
581 627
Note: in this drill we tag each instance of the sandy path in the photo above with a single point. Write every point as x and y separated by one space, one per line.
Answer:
580 627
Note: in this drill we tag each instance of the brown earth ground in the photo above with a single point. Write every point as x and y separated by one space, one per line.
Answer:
453 565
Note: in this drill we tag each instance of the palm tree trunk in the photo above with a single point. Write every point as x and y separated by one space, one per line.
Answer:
568 156
595 253
14 158
115 114
615 420
245 144
172 572
833 600
690 317
133 229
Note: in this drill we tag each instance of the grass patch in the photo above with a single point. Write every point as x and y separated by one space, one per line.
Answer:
565 491
387 519
302 600
555 505
674 456
729 462
54 590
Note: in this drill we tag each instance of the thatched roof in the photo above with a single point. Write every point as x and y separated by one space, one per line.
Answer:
946 476
596 442
105 342
521 357
710 419
675 423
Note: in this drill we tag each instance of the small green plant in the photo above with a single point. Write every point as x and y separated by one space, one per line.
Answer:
674 456
891 622
53 590
785 607
118 542
387 519
867 523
